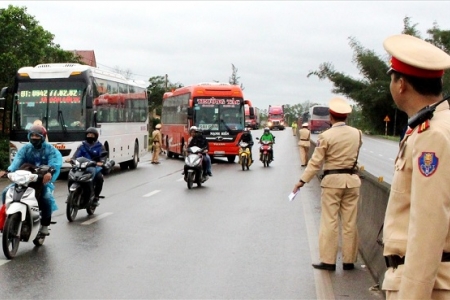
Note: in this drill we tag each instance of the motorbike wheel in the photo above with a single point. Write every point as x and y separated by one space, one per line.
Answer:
73 200
265 160
190 180
243 162
11 235
199 180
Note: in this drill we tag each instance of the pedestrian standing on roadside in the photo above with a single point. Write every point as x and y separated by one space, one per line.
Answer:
337 151
156 137
416 233
304 143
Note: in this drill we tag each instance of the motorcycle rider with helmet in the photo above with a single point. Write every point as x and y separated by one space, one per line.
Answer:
247 137
267 136
92 149
34 154
200 141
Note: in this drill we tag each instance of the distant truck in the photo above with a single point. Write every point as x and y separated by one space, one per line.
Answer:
275 117
252 116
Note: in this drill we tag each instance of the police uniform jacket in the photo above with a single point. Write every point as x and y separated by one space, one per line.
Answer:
417 220
305 136
337 148
156 136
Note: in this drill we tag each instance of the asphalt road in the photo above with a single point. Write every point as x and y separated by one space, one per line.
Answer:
237 237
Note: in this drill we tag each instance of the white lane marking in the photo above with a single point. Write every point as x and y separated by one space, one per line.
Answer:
152 193
95 219
4 261
324 287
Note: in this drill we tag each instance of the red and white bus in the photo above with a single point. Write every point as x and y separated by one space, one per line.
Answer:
216 108
319 118
69 98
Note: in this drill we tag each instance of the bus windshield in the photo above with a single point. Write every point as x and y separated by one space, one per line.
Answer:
59 105
213 114
321 111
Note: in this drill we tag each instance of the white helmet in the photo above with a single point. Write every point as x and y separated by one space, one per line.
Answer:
194 128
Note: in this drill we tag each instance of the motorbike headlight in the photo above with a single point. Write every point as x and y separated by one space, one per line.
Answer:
192 160
86 177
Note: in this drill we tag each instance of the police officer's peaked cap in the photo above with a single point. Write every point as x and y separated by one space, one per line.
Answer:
415 57
339 107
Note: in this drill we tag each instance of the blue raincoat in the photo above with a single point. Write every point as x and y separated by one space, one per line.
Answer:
46 155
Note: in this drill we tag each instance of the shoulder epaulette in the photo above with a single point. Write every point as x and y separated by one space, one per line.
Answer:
424 126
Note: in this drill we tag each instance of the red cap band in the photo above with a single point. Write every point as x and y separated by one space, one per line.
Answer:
337 115
406 69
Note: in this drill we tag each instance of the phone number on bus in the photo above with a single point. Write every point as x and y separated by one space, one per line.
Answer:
219 101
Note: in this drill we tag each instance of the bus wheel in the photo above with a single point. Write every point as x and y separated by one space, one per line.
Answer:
124 165
134 162
231 158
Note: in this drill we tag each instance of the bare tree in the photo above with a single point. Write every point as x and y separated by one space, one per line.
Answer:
234 79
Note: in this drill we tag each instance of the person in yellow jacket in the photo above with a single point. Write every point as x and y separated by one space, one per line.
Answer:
416 233
294 128
337 151
157 138
304 143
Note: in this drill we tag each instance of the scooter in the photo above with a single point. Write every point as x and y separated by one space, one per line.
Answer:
193 167
244 155
22 210
81 186
266 153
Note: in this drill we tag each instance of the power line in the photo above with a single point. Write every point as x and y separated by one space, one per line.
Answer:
115 70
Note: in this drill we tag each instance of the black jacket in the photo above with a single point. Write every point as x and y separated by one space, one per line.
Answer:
199 141
247 138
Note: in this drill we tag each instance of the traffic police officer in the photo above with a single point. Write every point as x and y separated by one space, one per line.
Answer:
294 128
337 150
156 137
304 143
416 231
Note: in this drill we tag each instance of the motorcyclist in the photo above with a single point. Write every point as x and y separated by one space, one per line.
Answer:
267 136
37 153
92 149
200 141
247 137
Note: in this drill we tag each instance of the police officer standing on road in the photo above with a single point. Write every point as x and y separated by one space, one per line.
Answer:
304 143
416 231
156 136
337 150
294 128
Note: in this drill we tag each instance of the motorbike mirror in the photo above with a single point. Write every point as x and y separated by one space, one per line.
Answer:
257 138
104 154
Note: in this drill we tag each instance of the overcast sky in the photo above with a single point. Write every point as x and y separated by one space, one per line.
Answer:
273 44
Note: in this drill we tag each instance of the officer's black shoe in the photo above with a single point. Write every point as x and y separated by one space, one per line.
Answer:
348 266
324 266
209 174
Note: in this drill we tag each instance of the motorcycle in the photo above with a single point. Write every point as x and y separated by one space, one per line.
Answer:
193 167
244 155
266 152
22 210
81 186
